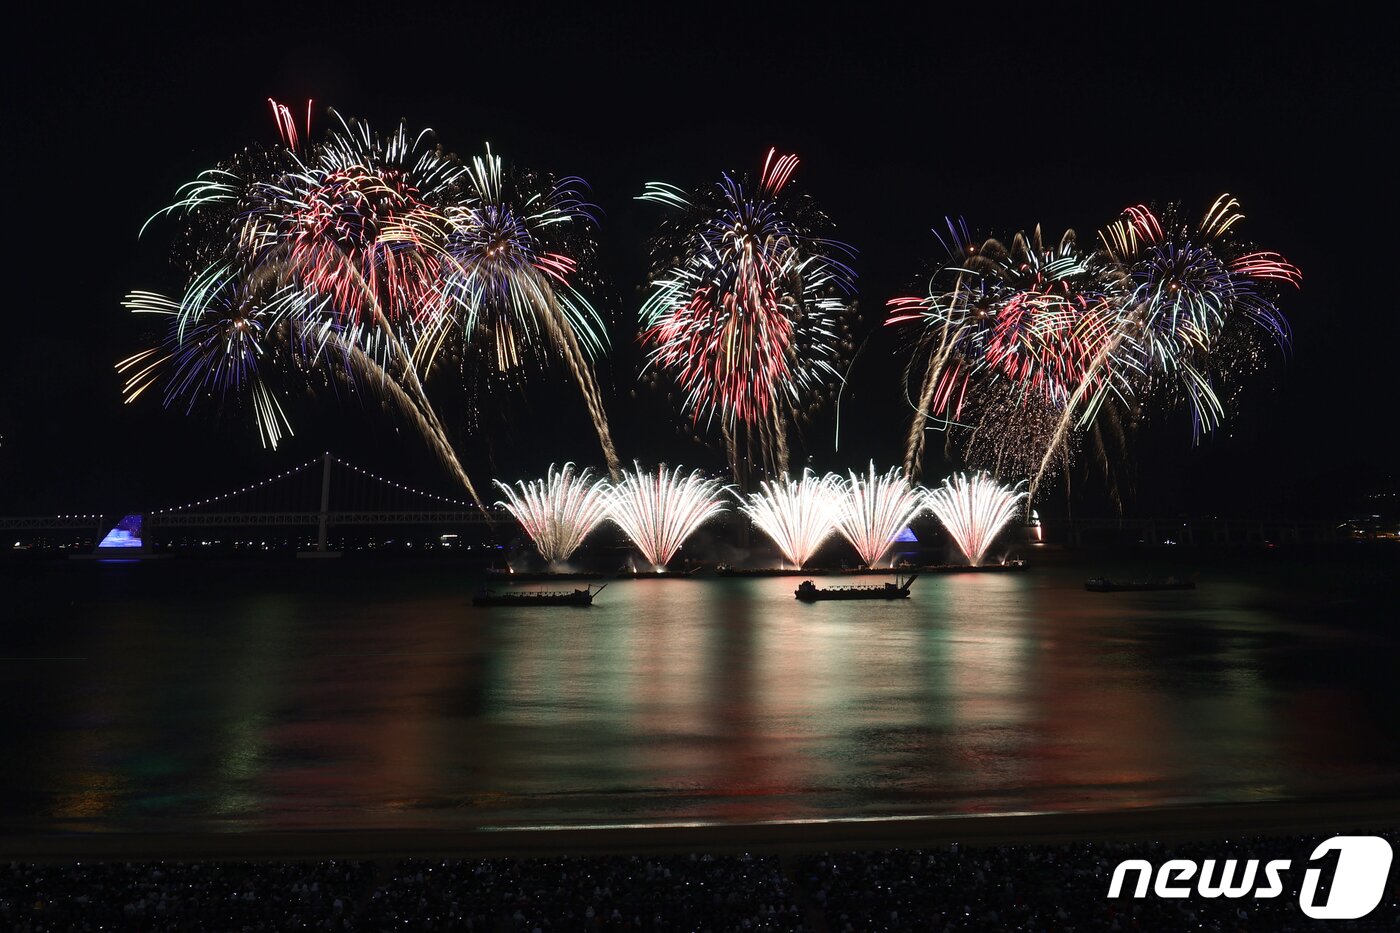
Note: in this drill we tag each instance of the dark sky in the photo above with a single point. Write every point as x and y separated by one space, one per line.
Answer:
1008 121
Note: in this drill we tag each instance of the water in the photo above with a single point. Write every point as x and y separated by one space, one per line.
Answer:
200 695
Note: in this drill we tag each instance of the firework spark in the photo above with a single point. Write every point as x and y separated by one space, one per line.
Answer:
746 309
558 511
797 515
660 510
874 510
974 510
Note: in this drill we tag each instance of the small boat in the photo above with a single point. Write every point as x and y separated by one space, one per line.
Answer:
583 597
807 591
1104 585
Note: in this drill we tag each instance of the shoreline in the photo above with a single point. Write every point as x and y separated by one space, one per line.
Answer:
1202 821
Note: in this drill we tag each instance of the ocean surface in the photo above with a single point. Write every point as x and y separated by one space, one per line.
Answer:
238 695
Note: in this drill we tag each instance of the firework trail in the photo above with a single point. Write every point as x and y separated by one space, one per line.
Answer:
874 510
797 515
558 511
974 510
509 260
747 306
361 370
660 511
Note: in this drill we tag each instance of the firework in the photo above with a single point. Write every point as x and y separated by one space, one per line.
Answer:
214 348
797 515
356 226
1025 324
310 258
1033 348
558 511
660 510
1193 290
746 308
1197 309
974 510
874 510
509 259
357 257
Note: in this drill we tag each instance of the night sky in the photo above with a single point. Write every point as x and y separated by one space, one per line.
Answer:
1006 121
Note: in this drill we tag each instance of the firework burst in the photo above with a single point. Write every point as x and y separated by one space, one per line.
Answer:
974 511
660 510
359 257
1031 349
797 515
1198 308
1023 324
509 261
874 510
312 256
1195 295
746 309
558 511
358 229
216 348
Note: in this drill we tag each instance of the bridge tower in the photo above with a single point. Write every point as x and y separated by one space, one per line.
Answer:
323 517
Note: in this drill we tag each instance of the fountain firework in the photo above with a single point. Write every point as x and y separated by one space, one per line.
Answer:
660 510
559 511
974 510
874 510
797 515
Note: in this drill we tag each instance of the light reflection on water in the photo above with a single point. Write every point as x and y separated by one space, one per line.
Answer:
244 696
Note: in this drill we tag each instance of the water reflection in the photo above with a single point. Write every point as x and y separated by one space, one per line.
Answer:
188 699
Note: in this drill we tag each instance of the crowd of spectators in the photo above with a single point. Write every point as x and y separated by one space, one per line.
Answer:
948 888
179 896
673 893
696 892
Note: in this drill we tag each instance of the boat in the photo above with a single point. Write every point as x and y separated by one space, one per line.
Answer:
808 592
1104 585
583 597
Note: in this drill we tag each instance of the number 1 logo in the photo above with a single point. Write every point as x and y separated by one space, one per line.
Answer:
1363 865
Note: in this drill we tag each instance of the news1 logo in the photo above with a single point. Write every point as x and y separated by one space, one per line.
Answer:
1357 882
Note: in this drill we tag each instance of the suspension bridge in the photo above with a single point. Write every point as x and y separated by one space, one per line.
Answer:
327 492
323 493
